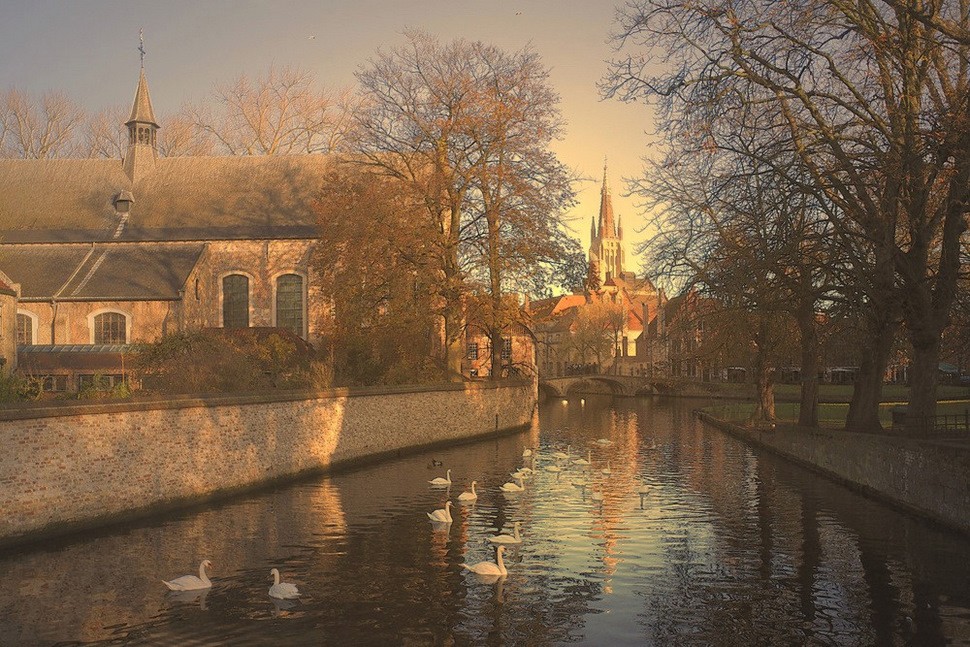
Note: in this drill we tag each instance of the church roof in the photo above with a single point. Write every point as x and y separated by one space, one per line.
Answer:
183 198
101 272
141 107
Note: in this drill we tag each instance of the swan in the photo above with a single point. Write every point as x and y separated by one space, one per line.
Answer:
506 538
282 590
561 456
585 461
526 452
512 487
490 568
442 481
607 470
442 515
469 496
555 469
520 475
191 582
604 442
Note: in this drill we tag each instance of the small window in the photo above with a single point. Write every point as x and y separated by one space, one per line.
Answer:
235 301
506 348
473 350
99 381
110 328
55 383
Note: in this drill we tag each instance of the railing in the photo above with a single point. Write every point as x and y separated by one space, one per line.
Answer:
951 424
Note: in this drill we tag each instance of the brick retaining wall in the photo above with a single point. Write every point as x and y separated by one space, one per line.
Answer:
929 478
64 467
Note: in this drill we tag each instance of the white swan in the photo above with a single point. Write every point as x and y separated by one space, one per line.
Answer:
561 456
442 481
526 452
520 475
506 538
442 515
467 497
512 487
585 461
191 582
604 442
282 590
607 470
490 568
555 469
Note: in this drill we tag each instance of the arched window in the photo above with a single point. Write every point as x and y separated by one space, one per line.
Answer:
235 301
110 328
289 303
25 329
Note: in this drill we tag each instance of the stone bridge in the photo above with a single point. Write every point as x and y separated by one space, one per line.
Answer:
559 387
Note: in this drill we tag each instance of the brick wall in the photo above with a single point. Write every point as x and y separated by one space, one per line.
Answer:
64 467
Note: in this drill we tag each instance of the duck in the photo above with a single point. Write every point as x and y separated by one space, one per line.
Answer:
489 568
506 538
513 487
469 496
442 481
442 515
607 471
282 590
585 461
526 452
435 463
191 582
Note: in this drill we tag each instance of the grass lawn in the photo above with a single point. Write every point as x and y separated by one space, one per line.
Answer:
832 414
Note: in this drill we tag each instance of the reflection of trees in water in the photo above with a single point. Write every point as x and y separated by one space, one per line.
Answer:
734 547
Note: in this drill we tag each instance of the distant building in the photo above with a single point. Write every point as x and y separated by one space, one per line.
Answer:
112 252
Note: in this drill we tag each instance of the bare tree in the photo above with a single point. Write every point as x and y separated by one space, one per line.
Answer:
105 134
280 113
181 136
38 128
875 106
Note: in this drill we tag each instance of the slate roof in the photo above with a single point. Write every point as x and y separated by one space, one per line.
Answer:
181 198
101 272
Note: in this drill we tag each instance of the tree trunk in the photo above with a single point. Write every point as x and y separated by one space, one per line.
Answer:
808 327
923 377
867 390
764 379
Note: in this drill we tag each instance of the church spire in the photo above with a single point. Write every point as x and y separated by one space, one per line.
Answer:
607 230
142 127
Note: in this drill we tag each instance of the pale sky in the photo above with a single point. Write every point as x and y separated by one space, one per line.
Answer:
88 50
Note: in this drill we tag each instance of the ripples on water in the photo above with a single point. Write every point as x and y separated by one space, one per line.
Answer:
731 547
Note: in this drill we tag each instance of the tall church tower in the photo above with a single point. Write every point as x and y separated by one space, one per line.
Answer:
142 152
606 245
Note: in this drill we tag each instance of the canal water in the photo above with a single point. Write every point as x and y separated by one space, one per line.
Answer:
729 546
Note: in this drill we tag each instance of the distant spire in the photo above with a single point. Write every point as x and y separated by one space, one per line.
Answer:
592 228
607 230
619 227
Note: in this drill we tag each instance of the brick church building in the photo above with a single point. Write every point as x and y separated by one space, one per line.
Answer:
112 252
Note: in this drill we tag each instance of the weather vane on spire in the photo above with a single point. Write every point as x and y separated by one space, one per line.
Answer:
141 45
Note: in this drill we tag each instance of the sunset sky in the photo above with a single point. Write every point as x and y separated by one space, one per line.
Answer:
88 50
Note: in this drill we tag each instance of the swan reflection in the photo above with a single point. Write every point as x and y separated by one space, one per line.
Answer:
189 597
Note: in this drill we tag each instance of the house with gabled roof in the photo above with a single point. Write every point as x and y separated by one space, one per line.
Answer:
113 252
